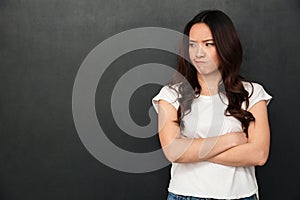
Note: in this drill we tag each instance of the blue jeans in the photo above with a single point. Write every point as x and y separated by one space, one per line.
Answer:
172 196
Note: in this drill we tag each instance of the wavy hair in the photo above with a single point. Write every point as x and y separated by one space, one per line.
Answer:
230 53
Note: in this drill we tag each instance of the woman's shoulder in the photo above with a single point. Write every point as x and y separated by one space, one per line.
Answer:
256 92
168 93
252 86
171 88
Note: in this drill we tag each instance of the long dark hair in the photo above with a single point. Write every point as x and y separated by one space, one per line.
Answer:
230 53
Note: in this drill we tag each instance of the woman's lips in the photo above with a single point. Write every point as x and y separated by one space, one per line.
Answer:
199 61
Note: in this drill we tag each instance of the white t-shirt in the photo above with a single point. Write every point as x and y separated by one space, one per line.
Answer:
207 119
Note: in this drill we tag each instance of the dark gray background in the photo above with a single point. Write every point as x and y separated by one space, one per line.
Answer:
43 43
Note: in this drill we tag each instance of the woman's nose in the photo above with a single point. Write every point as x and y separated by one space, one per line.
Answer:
200 51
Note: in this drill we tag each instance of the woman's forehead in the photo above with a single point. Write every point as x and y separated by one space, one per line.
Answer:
200 32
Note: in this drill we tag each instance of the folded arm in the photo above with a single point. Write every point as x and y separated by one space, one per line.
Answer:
187 150
256 150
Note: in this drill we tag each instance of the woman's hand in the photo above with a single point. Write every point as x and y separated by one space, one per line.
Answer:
237 138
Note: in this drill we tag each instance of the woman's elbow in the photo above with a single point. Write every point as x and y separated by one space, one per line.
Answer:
262 157
176 157
170 158
170 155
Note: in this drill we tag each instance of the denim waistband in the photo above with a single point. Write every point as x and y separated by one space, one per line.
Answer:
172 196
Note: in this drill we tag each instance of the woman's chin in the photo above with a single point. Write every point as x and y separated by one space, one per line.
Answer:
205 72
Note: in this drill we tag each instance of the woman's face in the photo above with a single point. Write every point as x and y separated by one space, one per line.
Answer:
202 50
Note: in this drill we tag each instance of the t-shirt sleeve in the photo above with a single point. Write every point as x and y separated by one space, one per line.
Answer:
167 94
259 94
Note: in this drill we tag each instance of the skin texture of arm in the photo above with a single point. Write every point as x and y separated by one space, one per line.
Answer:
187 150
256 150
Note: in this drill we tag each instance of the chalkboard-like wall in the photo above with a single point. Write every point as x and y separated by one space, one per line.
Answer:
44 43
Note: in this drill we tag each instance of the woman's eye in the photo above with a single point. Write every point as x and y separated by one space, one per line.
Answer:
192 44
209 44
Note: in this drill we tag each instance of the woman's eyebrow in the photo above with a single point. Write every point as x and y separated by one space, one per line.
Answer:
207 40
202 40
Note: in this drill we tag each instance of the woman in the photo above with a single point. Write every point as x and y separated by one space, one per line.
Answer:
213 124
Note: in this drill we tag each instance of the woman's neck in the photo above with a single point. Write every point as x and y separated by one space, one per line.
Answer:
209 84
